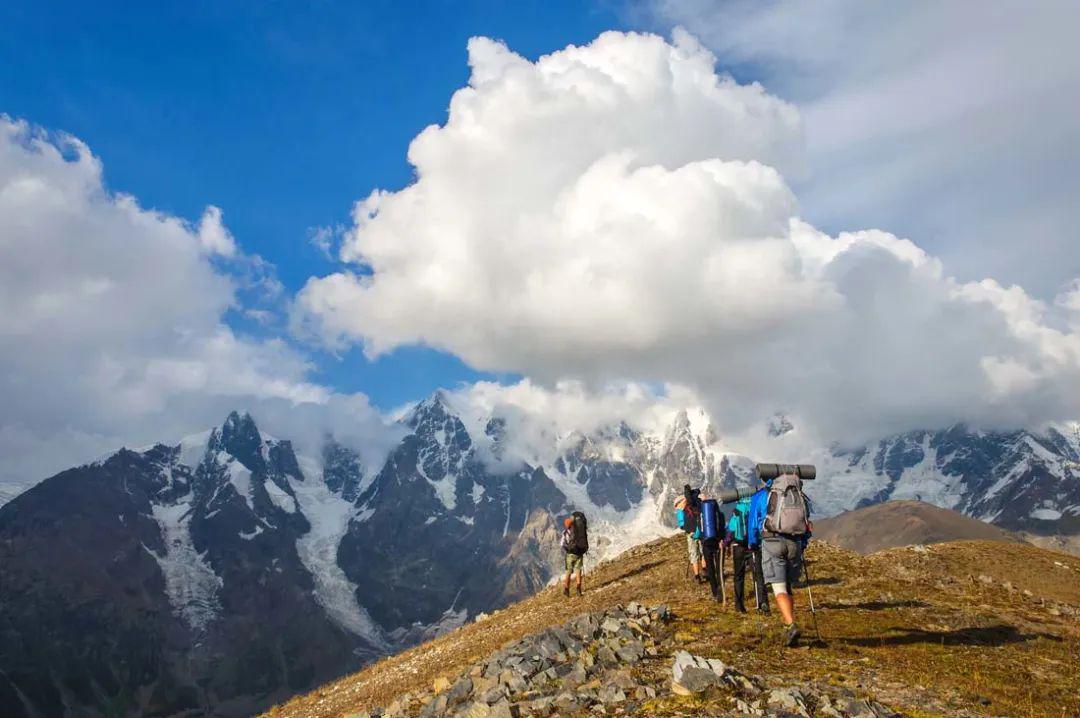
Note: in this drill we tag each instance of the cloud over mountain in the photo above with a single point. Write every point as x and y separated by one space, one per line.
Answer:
111 317
619 211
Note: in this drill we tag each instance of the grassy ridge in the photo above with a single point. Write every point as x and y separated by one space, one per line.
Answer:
945 630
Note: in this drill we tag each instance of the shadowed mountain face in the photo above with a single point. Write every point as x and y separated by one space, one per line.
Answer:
904 523
145 584
224 572
435 524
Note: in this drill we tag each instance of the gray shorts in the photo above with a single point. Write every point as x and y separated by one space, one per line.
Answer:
781 560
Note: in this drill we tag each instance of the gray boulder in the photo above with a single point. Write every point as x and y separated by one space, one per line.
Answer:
632 652
790 700
611 694
460 690
694 674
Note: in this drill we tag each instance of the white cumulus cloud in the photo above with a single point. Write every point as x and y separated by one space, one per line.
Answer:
620 211
111 318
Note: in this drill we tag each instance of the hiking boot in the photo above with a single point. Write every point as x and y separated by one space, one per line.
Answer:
566 591
763 609
739 608
579 590
791 635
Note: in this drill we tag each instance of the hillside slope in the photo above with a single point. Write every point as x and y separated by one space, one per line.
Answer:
965 628
904 523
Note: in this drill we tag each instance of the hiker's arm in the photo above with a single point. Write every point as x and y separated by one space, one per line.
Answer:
809 523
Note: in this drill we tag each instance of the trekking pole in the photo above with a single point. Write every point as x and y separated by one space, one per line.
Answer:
753 577
810 594
723 579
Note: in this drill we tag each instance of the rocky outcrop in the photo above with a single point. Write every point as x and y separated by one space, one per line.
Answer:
614 663
586 662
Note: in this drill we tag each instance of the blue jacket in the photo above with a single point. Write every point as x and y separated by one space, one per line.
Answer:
759 501
759 504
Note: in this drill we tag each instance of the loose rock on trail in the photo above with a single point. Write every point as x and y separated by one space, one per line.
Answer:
613 663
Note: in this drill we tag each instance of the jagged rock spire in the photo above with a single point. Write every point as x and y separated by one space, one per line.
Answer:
240 437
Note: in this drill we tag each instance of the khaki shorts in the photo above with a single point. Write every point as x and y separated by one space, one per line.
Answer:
574 562
693 548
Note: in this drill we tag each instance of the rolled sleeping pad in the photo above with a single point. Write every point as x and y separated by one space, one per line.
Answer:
710 519
730 496
806 472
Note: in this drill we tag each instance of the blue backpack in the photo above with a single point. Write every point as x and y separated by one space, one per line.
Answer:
711 519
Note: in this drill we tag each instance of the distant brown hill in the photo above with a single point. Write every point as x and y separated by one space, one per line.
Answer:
904 523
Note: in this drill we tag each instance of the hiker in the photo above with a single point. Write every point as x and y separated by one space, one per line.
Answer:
779 526
737 538
687 511
712 519
575 544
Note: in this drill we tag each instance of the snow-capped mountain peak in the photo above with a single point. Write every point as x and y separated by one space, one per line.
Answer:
434 409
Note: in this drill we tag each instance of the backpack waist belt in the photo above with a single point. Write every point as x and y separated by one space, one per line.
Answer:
774 534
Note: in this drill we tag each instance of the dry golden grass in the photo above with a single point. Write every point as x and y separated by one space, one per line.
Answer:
917 630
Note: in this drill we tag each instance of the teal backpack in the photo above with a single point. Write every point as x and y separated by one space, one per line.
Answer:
740 518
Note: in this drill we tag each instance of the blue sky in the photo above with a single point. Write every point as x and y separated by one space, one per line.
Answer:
282 114
949 136
964 154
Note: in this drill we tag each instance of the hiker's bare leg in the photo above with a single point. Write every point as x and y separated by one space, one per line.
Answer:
580 575
785 603
568 575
